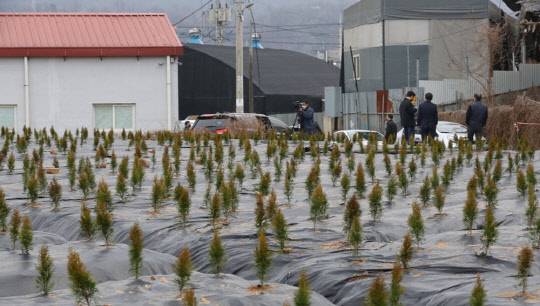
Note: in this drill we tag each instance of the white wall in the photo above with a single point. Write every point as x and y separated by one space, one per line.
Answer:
407 32
63 91
12 86
363 37
398 32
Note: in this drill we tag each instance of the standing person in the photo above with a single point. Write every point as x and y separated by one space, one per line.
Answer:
391 129
476 118
406 113
307 119
428 117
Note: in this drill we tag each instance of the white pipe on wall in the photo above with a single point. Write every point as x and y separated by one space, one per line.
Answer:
26 94
169 93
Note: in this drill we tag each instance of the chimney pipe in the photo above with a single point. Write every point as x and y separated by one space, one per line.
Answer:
256 41
195 37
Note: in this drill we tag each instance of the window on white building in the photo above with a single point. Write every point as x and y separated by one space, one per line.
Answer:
114 116
356 61
7 116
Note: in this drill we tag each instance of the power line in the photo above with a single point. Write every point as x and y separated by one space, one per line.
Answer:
300 31
300 25
299 43
193 13
292 27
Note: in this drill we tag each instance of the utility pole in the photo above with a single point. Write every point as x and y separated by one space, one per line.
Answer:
253 35
383 47
239 56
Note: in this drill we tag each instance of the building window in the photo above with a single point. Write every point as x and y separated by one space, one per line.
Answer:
114 116
356 61
7 116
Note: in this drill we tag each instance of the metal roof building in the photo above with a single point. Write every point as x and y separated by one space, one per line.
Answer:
280 77
98 70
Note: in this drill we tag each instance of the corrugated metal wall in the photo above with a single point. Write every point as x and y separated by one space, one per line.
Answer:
359 110
450 91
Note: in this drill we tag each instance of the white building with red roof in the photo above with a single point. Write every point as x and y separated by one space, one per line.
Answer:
95 70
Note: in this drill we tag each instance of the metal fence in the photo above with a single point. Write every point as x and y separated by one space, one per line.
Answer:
358 110
451 91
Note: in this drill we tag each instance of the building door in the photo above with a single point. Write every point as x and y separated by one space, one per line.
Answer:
7 116
114 116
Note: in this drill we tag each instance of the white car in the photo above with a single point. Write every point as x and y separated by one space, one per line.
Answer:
364 134
446 131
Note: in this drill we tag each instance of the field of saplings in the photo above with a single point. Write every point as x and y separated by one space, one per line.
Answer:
197 219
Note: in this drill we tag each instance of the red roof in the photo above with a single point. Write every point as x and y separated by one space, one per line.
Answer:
87 35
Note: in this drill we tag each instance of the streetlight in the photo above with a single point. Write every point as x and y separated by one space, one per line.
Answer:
251 105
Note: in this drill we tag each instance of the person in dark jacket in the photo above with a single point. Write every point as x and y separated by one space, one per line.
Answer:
428 118
307 119
406 113
476 118
391 129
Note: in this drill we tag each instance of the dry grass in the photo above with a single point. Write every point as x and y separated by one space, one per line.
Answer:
501 121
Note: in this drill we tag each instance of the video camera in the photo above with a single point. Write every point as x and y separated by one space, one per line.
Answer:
298 106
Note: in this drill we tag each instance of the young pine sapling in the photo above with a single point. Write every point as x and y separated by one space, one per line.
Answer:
319 205
396 290
345 186
279 225
183 268
45 271
354 236
525 259
375 205
14 227
439 199
263 257
489 236
406 251
55 193
81 281
391 188
360 181
302 295
216 254
532 206
136 237
104 222
88 229
377 294
26 235
416 224
4 211
478 294
470 211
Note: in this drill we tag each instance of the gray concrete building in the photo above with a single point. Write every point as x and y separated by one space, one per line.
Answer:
105 71
390 44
